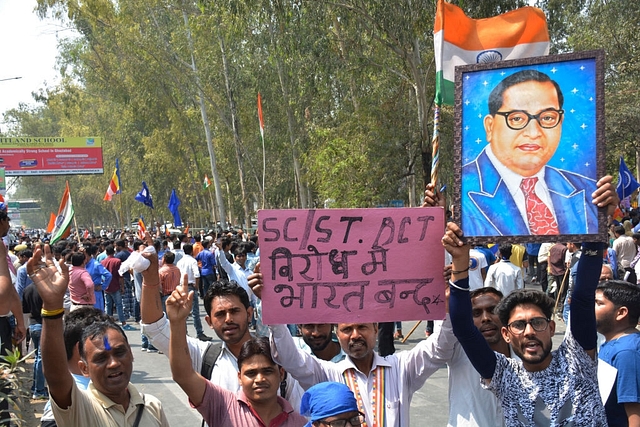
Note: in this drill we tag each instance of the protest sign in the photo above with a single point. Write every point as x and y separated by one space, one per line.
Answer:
352 265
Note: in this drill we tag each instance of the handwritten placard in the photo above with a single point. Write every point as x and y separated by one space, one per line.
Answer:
352 265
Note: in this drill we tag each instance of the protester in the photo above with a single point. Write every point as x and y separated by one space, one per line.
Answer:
257 403
331 404
106 358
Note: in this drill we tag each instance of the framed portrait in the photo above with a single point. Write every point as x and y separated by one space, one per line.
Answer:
529 149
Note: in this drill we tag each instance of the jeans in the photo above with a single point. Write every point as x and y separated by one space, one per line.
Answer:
115 298
146 343
99 300
195 310
207 281
38 377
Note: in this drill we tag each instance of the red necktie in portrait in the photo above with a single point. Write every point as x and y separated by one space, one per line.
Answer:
540 217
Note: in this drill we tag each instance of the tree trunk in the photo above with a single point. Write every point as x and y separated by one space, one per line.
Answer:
207 130
236 131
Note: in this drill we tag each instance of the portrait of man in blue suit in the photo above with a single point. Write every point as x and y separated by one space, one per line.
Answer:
510 189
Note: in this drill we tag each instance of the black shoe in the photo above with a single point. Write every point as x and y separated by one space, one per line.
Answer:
203 337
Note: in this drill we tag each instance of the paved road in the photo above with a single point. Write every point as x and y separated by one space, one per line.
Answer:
152 375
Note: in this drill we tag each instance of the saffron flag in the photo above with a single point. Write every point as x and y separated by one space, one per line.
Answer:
141 228
52 222
460 40
626 183
206 183
62 225
186 230
260 116
114 184
174 202
144 196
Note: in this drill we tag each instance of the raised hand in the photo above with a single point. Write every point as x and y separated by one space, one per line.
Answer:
51 283
255 281
433 197
150 276
453 242
180 301
605 196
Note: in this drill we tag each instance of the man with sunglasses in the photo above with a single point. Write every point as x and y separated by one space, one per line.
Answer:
543 388
509 189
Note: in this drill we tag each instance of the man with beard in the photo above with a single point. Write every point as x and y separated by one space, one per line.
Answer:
228 314
317 340
617 313
383 386
543 388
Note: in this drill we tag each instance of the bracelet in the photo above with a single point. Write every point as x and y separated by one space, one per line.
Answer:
458 287
151 286
459 272
52 314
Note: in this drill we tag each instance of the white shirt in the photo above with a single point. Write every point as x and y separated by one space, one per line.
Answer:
512 180
543 253
189 266
505 277
225 370
477 261
234 271
407 371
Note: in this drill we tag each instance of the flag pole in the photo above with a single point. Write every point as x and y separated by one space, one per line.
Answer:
75 223
435 143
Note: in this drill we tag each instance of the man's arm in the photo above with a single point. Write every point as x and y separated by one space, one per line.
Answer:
223 262
178 309
519 280
51 286
305 368
633 414
9 297
106 274
475 346
583 317
154 324
429 355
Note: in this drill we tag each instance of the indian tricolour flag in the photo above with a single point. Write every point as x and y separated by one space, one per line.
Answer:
460 40
64 218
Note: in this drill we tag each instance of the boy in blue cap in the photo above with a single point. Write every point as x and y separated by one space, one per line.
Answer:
331 404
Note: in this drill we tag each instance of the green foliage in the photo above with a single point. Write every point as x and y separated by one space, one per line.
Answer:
346 89
10 379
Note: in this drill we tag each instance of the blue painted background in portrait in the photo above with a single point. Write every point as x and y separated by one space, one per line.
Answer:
577 79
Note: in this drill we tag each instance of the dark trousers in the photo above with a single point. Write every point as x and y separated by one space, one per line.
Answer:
542 275
385 338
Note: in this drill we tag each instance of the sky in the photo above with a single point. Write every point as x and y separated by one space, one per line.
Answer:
28 49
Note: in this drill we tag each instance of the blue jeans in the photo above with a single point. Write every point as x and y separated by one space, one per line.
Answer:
115 298
99 300
146 343
207 281
38 377
195 310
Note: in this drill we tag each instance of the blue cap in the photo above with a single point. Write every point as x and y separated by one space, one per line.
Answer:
326 400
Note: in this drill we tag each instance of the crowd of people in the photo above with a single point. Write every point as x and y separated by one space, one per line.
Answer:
80 299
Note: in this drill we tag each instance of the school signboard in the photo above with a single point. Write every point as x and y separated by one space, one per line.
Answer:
46 155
